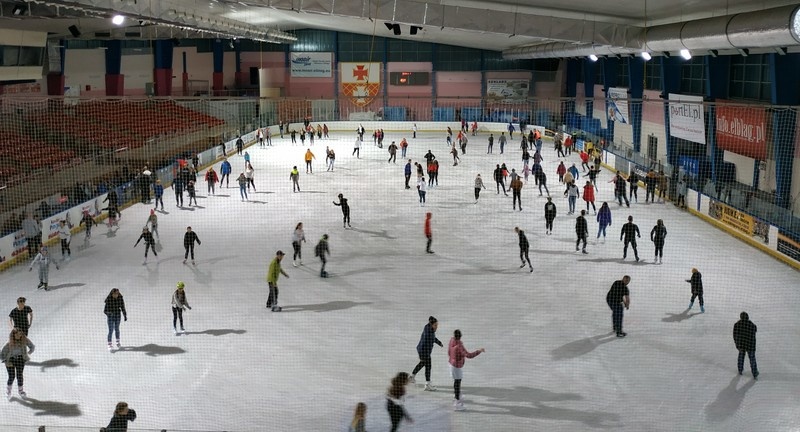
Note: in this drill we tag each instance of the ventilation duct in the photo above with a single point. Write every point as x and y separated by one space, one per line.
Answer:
777 27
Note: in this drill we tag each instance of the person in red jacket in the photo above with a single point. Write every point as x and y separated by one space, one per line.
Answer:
428 233
211 179
458 354
561 170
584 160
588 196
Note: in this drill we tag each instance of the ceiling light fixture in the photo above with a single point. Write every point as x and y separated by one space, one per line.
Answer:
592 57
118 19
645 56
686 54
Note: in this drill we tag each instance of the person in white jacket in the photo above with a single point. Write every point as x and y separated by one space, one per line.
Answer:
43 259
65 234
178 304
297 237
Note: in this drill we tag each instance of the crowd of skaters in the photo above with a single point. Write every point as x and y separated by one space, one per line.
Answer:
617 298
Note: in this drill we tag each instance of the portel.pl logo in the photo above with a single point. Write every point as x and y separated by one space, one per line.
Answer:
303 61
688 111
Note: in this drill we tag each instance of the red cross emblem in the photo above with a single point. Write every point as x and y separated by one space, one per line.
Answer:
360 73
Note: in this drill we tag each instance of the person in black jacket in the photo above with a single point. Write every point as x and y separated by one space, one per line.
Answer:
321 250
744 336
89 221
429 157
345 210
697 288
394 400
500 180
582 230
630 231
549 215
424 349
619 189
122 415
188 243
523 248
115 306
149 243
657 236
617 298
633 179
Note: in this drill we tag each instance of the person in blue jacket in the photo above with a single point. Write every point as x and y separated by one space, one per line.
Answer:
407 172
225 170
603 219
574 171
158 191
424 349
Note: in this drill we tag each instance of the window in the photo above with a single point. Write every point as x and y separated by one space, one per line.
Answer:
652 74
693 76
749 78
598 72
624 74
581 68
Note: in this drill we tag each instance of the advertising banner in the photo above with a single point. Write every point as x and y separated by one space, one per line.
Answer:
742 130
507 90
618 105
360 82
686 118
733 218
311 64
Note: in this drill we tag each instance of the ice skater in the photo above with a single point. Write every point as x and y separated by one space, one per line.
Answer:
582 230
179 303
114 310
346 209
744 337
478 186
43 260
516 192
89 221
158 192
274 272
242 180
14 355
588 196
298 237
189 238
524 246
617 298
321 250
657 236
249 174
424 350
21 317
308 158
421 190
294 176
190 190
457 356
573 194
211 180
358 424
149 243
603 220
696 282
394 400
65 236
225 169
629 232
152 220
549 215
428 232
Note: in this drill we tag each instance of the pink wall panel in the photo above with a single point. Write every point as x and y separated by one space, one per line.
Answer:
458 84
317 89
652 108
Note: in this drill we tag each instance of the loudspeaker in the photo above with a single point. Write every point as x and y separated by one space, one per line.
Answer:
74 30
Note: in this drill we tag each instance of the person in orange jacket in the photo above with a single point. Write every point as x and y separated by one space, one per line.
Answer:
588 196
309 156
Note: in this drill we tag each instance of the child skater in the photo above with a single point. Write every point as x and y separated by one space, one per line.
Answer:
43 259
178 304
149 243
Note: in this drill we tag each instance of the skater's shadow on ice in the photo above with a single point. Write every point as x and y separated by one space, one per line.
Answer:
162 212
264 192
257 202
218 332
50 408
679 317
324 307
186 208
53 363
382 233
221 195
558 252
154 350
480 271
531 403
66 285
312 192
616 260
581 347
729 400
456 205
217 259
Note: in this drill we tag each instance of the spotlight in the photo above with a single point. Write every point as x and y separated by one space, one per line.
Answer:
744 52
686 54
646 56
18 10
666 54
414 30
592 57
394 27
118 19
713 53
230 44
781 50
389 26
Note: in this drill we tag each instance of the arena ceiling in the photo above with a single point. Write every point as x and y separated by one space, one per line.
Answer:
506 25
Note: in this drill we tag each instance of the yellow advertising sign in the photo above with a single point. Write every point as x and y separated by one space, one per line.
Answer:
732 217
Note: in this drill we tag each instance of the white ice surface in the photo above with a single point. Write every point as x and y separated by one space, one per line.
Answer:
550 362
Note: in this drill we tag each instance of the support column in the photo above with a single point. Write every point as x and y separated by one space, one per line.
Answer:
589 73
572 86
483 82
218 79
336 75
242 79
385 77
115 80
610 79
434 67
162 71
717 87
55 80
636 67
785 91
184 75
670 83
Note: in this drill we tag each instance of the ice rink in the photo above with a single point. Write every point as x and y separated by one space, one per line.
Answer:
551 361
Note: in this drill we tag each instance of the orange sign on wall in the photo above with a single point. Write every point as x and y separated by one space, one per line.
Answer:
742 130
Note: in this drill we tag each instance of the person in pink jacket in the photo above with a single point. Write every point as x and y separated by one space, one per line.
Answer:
458 354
